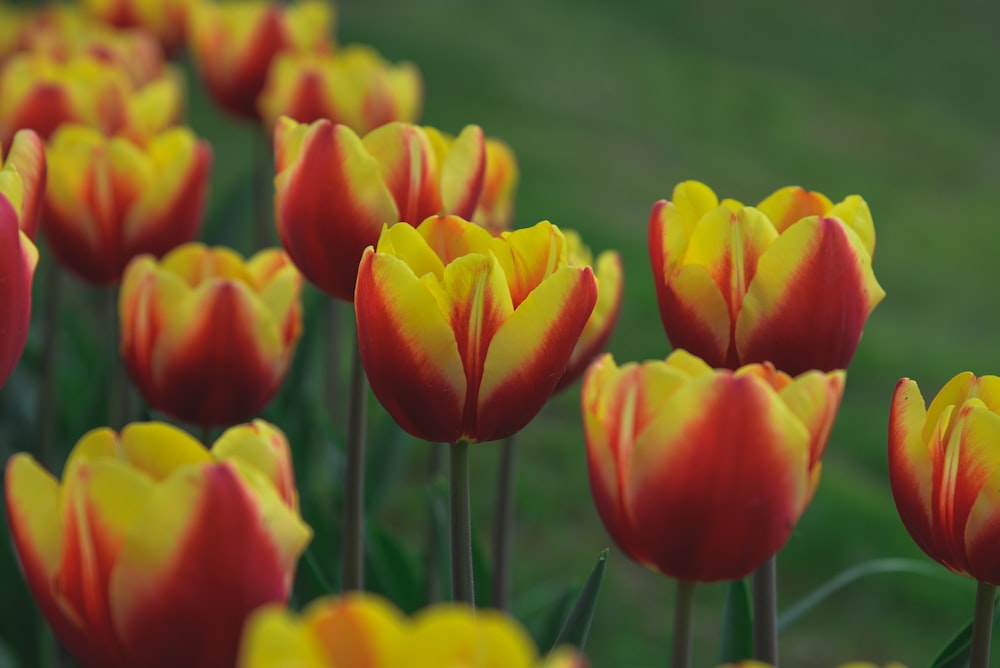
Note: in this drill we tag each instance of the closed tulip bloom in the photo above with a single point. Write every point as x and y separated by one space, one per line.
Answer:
944 467
789 281
702 474
610 287
234 44
353 87
495 211
23 178
464 335
152 551
333 632
334 191
110 199
18 259
207 337
166 19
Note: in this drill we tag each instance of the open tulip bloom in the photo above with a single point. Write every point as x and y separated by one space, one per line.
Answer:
464 335
333 632
789 281
702 474
152 551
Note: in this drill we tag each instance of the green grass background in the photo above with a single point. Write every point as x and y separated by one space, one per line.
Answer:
608 106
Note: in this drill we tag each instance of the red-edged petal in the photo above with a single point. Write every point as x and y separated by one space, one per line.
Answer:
18 258
331 204
809 300
530 351
791 204
408 167
717 480
408 349
27 154
211 545
463 172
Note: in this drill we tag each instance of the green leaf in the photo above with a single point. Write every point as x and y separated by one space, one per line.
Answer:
546 631
956 653
736 635
577 626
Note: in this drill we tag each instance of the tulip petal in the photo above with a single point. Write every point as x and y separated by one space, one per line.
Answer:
273 638
789 205
715 498
695 316
814 398
809 300
158 449
982 531
463 172
910 466
529 352
264 447
407 167
529 256
691 201
408 349
854 211
324 241
18 258
357 630
954 393
446 635
217 528
27 156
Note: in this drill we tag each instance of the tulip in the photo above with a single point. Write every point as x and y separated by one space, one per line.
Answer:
788 282
702 474
610 287
166 19
335 191
18 259
207 337
23 178
354 87
335 631
464 335
944 468
851 664
235 44
110 199
152 551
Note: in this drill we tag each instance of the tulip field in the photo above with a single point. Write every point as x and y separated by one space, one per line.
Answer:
590 317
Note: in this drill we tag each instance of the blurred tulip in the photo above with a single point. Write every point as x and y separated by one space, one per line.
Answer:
464 335
788 282
353 87
335 631
23 178
18 258
235 44
152 550
110 200
610 287
334 191
852 664
944 468
702 474
495 211
166 19
206 336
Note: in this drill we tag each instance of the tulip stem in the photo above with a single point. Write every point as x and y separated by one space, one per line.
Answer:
354 478
503 526
462 588
683 612
765 612
982 626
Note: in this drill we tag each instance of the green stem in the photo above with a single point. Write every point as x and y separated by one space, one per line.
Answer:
683 609
47 413
435 469
765 612
335 332
462 588
354 478
982 626
503 526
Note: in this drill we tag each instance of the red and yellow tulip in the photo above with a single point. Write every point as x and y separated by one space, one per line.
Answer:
110 199
23 177
335 191
944 468
702 474
495 210
336 631
166 19
610 276
353 87
207 336
234 44
152 551
789 281
464 335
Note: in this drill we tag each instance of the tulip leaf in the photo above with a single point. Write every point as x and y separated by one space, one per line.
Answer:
577 626
956 653
547 630
848 576
736 635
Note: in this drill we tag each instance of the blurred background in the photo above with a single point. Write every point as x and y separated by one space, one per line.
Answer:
608 106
